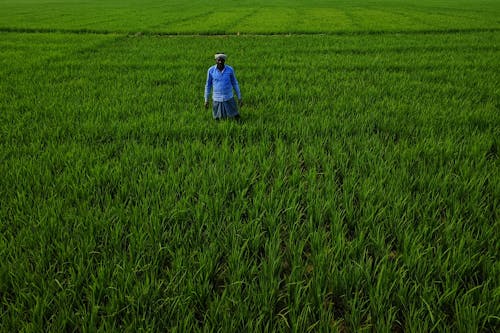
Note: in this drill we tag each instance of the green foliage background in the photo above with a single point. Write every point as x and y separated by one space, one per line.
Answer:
263 17
360 192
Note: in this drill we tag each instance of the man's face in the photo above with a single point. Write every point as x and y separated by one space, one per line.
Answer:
220 62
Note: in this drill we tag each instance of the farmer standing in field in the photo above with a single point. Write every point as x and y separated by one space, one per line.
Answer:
221 78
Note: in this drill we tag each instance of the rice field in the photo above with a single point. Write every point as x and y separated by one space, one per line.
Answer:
360 191
248 16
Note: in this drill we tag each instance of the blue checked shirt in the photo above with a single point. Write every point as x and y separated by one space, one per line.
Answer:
222 83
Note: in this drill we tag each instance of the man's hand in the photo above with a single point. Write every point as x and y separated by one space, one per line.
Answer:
240 102
206 105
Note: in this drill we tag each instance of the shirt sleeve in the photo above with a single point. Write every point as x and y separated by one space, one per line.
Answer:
208 85
234 82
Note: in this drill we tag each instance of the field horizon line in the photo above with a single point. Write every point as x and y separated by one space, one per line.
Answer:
226 34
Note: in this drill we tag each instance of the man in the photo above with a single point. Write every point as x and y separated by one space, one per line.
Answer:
221 78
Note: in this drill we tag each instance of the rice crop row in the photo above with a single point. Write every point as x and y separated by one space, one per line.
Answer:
360 191
261 17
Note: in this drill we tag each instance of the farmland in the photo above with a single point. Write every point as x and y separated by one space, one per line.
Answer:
360 191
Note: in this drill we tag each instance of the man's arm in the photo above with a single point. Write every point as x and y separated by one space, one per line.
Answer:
208 87
236 87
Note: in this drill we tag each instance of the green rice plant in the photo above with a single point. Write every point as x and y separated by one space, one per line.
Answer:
247 17
359 192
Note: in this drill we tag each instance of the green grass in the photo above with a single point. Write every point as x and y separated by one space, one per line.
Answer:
261 17
360 192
